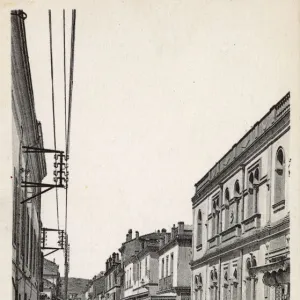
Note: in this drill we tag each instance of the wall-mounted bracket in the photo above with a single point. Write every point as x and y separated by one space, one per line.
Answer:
59 178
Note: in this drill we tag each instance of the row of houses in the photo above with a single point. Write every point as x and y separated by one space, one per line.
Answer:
238 246
150 266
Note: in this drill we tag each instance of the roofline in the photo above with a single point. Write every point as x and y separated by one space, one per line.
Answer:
286 97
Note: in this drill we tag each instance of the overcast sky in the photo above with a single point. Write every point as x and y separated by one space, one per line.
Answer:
161 91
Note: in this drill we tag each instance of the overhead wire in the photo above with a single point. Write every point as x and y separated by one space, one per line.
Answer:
53 104
71 78
69 114
68 129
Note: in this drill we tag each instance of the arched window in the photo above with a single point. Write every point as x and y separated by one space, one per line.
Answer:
199 228
198 287
196 281
279 176
215 216
256 190
226 217
237 190
250 280
250 206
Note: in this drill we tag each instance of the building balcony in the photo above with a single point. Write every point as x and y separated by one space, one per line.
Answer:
231 232
166 283
213 242
251 223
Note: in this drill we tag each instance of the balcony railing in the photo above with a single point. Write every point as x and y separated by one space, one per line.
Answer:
166 283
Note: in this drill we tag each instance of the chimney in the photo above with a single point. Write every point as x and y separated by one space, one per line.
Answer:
106 265
180 227
161 242
127 237
129 234
137 235
117 257
114 258
173 232
163 230
109 262
158 231
167 238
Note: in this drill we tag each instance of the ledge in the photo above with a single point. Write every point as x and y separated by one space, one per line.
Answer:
199 247
251 222
214 241
278 206
231 232
258 235
235 199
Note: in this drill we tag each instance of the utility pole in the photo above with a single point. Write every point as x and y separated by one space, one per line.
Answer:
66 267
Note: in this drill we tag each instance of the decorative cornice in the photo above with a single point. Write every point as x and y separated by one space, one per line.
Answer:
240 242
180 239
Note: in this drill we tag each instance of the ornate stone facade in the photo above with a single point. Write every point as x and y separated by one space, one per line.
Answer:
241 217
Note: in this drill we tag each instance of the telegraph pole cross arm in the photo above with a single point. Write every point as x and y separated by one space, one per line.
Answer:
60 172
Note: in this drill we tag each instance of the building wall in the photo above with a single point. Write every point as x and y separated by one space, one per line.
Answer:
26 132
250 233
135 283
183 266
162 274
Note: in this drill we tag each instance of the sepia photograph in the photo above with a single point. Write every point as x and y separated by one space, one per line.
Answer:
151 150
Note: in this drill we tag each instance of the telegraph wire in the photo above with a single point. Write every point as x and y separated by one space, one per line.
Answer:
52 80
53 104
65 80
71 79
67 132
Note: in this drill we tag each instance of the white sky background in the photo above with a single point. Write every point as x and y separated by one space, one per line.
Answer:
161 91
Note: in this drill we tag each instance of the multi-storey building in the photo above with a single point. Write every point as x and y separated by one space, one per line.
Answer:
51 280
174 263
113 277
141 269
27 131
98 284
241 216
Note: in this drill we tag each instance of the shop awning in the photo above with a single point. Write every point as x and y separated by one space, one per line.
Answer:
275 274
276 266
